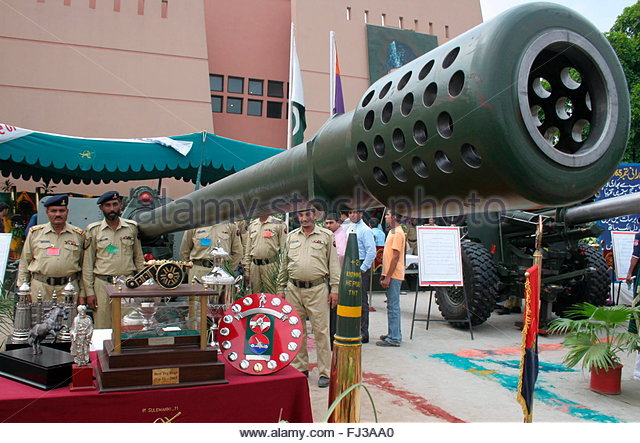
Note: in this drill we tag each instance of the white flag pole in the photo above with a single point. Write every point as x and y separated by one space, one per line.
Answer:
290 104
291 87
332 72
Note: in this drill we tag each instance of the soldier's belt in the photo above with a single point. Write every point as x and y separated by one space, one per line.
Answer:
54 281
262 261
108 278
204 263
307 284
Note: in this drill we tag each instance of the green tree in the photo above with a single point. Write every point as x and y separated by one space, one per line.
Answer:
624 36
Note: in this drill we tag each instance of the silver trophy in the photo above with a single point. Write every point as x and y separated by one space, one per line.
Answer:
69 294
22 320
221 283
148 309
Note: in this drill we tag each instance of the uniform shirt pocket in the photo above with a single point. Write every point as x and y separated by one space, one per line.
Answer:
317 248
294 250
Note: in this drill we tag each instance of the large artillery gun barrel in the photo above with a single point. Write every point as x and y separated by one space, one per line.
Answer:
529 108
600 210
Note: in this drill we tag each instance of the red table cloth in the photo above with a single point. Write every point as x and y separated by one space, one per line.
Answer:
245 399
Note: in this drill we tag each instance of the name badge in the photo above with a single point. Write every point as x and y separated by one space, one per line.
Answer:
53 251
112 249
267 234
205 242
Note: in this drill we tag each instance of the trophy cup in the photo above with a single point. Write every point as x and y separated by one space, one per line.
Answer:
148 309
69 293
222 285
22 320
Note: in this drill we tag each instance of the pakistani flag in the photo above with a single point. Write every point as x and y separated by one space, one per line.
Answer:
298 122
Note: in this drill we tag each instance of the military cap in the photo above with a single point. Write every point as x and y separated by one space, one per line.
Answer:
57 200
108 196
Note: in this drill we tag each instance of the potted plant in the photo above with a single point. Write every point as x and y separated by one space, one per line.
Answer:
597 336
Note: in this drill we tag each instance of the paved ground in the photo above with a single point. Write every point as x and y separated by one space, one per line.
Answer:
441 376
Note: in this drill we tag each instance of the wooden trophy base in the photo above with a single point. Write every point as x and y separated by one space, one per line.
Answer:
48 370
155 368
82 378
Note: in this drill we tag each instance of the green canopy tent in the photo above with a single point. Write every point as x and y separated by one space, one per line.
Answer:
41 156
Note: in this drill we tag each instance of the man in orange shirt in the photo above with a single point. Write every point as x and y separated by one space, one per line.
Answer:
392 277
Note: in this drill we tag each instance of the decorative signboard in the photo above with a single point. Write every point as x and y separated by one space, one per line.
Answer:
625 180
260 334
622 242
439 256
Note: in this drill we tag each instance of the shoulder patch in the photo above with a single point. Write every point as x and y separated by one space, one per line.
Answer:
78 230
131 222
36 228
90 226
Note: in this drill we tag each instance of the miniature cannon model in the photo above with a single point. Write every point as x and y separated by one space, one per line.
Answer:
167 273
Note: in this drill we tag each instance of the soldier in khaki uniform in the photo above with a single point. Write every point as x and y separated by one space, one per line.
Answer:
53 252
112 249
197 243
266 237
309 265
242 228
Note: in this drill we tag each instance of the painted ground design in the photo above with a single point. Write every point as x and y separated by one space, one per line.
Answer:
502 366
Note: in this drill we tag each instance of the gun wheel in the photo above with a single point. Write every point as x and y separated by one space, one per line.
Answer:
480 283
169 275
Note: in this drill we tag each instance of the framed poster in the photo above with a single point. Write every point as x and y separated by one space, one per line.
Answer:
439 256
622 243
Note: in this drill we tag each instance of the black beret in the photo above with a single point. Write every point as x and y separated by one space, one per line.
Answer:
57 200
108 196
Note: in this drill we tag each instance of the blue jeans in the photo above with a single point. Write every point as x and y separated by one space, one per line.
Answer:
394 334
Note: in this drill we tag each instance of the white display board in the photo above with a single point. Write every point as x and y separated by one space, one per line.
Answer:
5 248
622 243
439 256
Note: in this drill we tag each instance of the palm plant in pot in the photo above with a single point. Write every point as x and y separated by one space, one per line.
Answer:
597 336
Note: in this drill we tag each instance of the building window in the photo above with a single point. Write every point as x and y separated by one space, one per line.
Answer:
215 82
234 105
274 89
216 103
348 13
400 24
431 28
274 109
256 86
164 13
366 16
235 85
415 24
383 19
254 107
446 31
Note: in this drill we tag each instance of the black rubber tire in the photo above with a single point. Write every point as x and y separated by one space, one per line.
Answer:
594 287
481 280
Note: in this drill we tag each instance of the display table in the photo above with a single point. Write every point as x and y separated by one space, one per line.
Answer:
245 399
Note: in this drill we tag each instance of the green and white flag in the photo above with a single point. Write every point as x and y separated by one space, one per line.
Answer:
298 121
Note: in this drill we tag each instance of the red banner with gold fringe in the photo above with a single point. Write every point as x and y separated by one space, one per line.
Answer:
529 359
